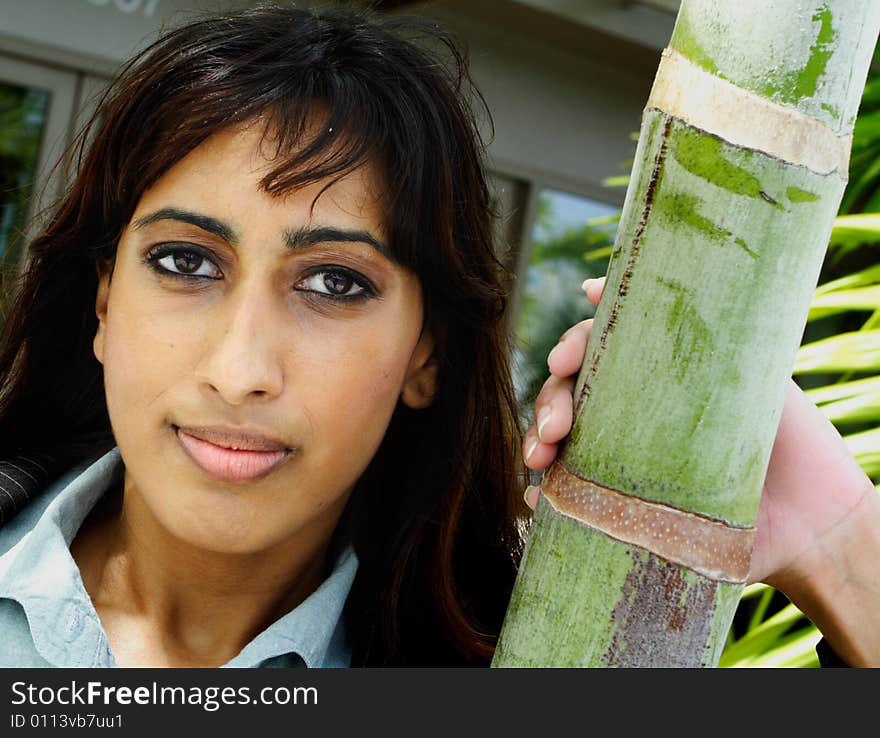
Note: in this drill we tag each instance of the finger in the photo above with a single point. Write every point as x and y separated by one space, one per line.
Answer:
550 389
530 496
553 409
594 288
566 357
537 455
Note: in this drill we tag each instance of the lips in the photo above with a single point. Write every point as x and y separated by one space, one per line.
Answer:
232 456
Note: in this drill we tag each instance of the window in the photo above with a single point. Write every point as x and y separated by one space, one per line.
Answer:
22 121
36 105
571 241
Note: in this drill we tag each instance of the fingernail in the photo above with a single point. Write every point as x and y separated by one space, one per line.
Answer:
552 351
587 282
531 449
544 416
530 496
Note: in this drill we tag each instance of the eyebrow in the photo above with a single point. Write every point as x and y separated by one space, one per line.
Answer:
300 238
205 222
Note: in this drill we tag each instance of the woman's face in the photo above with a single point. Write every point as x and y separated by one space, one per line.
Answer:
238 320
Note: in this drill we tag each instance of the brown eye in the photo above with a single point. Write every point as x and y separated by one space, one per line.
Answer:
176 261
187 262
337 284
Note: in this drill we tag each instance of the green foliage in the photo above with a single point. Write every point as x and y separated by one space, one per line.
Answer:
863 191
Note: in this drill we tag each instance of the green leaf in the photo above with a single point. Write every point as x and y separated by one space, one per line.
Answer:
872 322
761 639
599 220
865 446
862 278
871 95
760 609
839 301
843 391
795 651
867 129
621 180
854 230
755 590
861 409
597 254
855 351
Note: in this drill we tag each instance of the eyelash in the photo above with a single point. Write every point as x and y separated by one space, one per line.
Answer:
155 254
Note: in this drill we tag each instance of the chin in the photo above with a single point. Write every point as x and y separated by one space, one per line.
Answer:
223 524
227 540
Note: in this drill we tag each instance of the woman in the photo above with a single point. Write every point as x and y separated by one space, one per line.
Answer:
283 408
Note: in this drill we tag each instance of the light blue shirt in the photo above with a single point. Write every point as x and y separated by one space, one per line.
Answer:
48 620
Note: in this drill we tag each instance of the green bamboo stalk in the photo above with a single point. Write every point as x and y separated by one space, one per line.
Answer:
720 245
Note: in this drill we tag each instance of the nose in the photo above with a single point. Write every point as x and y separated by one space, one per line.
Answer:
242 357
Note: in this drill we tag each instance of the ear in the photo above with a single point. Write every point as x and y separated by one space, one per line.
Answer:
420 382
105 271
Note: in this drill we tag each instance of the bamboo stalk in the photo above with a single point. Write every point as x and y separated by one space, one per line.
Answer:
639 547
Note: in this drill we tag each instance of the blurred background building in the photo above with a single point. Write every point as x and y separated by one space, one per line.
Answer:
565 80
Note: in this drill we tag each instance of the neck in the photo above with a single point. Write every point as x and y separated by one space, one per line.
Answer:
163 601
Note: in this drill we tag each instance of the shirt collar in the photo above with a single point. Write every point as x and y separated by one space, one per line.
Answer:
40 574
315 629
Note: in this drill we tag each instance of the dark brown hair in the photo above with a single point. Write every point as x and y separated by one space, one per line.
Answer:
434 518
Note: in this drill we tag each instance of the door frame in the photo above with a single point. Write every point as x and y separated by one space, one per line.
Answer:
63 88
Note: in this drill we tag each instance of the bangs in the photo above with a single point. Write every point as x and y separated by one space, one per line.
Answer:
323 139
334 92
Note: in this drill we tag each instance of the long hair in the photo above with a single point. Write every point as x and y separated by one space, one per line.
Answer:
435 517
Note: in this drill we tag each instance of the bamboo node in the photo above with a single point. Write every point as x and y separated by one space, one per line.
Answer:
688 92
712 548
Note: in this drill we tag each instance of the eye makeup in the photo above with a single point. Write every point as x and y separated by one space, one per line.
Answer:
194 264
182 260
349 279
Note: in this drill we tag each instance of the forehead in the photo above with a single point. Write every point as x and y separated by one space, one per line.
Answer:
226 174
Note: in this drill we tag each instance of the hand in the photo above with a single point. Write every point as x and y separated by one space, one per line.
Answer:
554 405
818 523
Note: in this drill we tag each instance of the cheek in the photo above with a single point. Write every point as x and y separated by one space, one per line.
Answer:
361 382
358 391
141 356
